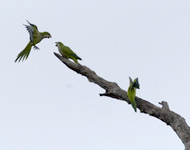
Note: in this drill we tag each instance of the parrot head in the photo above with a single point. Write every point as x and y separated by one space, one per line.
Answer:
60 47
58 44
134 83
46 35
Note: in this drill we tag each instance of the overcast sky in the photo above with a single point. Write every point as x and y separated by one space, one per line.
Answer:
46 106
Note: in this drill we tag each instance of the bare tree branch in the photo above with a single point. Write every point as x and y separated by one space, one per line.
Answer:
177 123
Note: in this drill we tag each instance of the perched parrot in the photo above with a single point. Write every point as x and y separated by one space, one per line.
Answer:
35 38
133 85
67 52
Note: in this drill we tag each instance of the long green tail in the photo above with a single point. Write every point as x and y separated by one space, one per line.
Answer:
23 55
133 103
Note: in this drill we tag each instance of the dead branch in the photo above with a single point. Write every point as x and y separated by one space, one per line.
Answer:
177 123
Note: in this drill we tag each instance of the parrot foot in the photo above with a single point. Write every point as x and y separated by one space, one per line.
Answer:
36 48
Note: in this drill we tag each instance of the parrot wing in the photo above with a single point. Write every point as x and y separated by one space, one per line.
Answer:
32 30
77 57
70 53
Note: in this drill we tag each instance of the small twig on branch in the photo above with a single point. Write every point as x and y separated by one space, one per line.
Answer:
164 105
177 123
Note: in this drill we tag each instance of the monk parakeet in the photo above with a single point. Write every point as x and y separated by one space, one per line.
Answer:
67 52
35 38
133 85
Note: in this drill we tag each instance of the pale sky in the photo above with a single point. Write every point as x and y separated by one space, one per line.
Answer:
46 106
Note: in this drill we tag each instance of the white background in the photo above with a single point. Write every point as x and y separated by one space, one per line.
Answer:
46 106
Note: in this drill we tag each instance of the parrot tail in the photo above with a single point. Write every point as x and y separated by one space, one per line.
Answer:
133 103
24 54
79 58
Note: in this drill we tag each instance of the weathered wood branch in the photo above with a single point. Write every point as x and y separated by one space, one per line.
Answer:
177 123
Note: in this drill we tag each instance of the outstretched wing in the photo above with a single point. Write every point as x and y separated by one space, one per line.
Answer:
32 29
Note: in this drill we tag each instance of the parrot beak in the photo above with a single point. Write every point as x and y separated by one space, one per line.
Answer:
49 36
55 43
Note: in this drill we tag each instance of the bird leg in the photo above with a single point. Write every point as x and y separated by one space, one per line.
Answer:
35 47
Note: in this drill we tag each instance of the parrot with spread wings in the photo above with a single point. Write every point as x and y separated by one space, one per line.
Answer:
35 38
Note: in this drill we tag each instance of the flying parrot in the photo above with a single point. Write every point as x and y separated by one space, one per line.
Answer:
35 38
133 85
67 52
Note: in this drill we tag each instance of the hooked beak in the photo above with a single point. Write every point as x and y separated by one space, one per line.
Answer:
56 44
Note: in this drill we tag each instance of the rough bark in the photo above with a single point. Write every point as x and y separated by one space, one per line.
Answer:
177 123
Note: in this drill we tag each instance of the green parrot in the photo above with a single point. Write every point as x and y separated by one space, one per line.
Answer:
67 52
35 38
133 85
